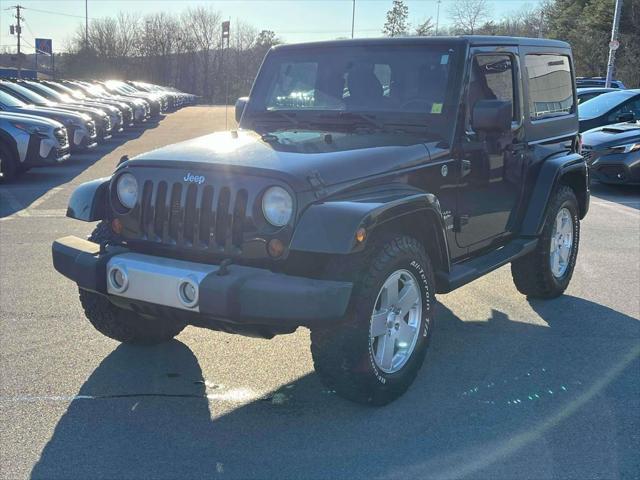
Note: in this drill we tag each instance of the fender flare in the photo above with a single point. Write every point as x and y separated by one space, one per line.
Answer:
330 227
88 201
550 176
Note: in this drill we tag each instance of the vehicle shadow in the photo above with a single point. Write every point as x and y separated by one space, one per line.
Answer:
27 188
497 398
627 195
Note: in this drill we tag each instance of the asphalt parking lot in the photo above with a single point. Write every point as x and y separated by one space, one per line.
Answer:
510 388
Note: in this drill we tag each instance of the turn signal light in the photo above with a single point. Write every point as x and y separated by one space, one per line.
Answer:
361 235
275 247
116 226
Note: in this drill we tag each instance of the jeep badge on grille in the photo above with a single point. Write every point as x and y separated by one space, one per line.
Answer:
191 178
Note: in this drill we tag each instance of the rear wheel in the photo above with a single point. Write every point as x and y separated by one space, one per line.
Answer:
547 271
375 355
118 323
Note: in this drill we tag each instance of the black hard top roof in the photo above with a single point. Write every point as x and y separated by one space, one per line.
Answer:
459 40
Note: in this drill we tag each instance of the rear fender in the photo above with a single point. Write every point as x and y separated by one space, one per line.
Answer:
88 201
562 169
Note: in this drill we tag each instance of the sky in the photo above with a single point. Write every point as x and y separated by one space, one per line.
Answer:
292 20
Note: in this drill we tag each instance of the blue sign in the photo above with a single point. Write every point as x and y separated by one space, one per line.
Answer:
43 45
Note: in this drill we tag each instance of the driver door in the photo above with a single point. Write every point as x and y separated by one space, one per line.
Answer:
491 176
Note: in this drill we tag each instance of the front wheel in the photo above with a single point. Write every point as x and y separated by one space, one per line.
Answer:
375 355
9 164
547 271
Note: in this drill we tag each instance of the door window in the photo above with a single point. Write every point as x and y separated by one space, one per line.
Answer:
628 107
550 86
491 79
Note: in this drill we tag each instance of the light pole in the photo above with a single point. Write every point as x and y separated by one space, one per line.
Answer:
613 44
438 15
353 18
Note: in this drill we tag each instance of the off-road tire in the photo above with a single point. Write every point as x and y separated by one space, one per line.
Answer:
342 354
8 164
532 273
118 323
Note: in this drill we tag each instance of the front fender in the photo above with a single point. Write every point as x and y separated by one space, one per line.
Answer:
564 168
88 201
330 227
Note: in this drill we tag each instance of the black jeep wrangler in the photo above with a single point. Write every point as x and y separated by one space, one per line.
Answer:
366 176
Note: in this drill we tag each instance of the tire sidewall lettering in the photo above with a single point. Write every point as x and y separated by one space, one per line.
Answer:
420 274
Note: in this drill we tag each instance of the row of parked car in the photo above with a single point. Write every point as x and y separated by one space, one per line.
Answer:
610 126
43 122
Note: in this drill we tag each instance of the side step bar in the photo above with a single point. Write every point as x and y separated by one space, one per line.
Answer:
470 270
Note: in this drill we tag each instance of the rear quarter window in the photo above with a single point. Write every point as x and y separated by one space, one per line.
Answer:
550 86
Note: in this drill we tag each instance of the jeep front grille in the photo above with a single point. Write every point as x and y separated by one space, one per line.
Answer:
203 217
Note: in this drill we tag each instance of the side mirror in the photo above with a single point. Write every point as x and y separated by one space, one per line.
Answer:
240 104
625 117
491 116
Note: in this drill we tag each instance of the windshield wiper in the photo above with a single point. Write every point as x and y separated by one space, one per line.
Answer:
271 115
367 118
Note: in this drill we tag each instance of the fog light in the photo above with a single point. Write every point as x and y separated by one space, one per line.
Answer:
275 248
188 293
118 279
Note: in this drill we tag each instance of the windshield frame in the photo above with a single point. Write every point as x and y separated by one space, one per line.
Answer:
442 125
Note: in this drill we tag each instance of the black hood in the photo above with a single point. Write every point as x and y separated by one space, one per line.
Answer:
611 135
292 156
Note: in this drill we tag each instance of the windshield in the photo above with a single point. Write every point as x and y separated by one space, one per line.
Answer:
601 104
119 87
70 91
10 101
30 95
47 92
414 83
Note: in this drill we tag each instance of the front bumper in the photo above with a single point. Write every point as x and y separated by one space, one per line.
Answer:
45 151
237 294
81 139
618 168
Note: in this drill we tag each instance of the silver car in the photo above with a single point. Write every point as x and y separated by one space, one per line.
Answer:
27 141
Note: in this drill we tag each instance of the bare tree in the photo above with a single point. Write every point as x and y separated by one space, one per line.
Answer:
102 37
468 15
160 40
426 28
204 23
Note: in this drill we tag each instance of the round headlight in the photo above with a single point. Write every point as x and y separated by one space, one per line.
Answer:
277 206
127 189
